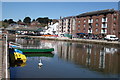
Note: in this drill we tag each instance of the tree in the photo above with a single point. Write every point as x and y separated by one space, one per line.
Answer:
27 20
33 20
5 20
10 21
4 24
44 20
19 20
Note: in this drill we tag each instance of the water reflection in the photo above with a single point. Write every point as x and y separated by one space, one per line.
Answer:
94 57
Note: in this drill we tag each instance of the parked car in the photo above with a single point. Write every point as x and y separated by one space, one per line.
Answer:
111 38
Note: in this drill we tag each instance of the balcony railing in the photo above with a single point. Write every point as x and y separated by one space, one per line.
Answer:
89 31
104 19
103 31
90 21
104 25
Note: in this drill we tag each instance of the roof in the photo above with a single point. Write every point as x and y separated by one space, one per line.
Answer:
96 12
68 17
26 29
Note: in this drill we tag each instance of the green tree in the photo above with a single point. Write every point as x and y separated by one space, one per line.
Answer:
4 24
5 21
33 20
27 20
44 20
10 21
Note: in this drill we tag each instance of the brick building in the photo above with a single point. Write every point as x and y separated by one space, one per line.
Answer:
98 24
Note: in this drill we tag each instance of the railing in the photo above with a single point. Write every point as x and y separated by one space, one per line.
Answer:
104 25
89 31
103 31
90 21
104 19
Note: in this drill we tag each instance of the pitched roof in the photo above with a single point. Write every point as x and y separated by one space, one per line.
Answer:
96 12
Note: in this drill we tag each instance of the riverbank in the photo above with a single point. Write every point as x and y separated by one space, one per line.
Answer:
102 42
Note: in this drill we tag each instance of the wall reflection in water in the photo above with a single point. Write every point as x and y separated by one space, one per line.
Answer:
94 57
99 58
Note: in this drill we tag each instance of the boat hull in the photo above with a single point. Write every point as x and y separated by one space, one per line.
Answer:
37 50
16 55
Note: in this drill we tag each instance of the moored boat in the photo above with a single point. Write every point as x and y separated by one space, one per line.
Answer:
17 55
14 45
31 50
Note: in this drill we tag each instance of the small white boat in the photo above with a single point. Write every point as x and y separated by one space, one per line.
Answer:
14 45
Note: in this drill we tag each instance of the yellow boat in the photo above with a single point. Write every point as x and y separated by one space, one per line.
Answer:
20 57
17 56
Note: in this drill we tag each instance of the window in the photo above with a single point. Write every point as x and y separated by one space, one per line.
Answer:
84 25
97 24
104 19
97 20
84 30
78 21
115 14
96 29
78 25
84 20
114 24
113 31
78 29
114 18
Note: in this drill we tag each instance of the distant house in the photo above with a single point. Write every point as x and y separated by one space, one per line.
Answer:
52 29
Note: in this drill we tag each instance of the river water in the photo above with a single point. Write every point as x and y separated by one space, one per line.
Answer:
69 60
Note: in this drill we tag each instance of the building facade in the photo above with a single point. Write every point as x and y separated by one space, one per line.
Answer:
98 24
67 25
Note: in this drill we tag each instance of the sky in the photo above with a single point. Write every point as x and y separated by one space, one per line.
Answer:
53 10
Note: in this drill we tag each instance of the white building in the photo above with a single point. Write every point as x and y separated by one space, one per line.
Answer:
52 29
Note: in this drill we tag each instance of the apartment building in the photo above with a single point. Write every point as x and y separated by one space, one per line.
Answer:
67 25
98 24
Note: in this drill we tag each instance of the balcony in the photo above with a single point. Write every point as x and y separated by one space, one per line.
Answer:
103 31
89 31
104 19
104 25
90 26
90 21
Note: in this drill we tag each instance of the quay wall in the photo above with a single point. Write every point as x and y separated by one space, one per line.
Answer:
102 42
3 63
